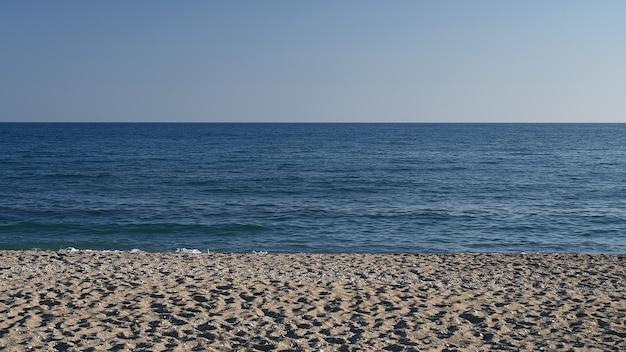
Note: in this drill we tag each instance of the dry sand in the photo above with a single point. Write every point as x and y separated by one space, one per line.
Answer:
277 302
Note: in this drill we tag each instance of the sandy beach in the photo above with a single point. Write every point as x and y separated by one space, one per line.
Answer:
97 301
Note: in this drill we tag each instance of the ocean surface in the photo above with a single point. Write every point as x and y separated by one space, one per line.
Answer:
314 188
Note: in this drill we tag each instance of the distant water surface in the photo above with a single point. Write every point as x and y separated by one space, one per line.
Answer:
315 188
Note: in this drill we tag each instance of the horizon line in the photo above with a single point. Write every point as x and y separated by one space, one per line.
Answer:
316 122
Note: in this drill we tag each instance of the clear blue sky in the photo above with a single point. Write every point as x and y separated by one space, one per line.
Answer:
326 61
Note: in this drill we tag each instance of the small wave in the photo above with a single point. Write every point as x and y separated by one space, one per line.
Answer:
136 250
69 249
189 251
73 249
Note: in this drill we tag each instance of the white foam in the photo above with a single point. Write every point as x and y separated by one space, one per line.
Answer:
72 249
134 250
69 249
188 251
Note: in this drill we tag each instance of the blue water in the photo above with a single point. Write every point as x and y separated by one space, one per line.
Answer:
314 188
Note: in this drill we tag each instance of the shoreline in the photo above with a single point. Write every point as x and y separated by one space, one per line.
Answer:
308 302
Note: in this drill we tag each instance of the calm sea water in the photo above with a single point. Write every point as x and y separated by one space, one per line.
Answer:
315 188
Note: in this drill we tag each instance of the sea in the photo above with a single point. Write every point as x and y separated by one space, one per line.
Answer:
313 188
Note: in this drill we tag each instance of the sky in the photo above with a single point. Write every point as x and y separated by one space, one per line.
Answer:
313 61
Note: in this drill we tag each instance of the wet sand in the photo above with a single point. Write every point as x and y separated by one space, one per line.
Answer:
82 301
